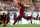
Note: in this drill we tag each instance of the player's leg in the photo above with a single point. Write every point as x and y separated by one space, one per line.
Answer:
8 20
5 22
17 19
27 17
24 16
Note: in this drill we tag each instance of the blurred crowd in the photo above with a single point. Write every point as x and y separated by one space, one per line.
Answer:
8 5
35 5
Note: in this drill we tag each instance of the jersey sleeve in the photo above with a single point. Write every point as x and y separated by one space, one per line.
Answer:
24 4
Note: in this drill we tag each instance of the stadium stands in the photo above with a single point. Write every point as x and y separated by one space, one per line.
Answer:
14 5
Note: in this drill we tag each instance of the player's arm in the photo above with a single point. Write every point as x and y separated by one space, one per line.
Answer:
1 21
26 5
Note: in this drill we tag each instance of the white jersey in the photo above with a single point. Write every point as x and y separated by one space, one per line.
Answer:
11 17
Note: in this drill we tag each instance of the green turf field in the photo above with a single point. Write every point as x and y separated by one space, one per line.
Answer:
23 25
